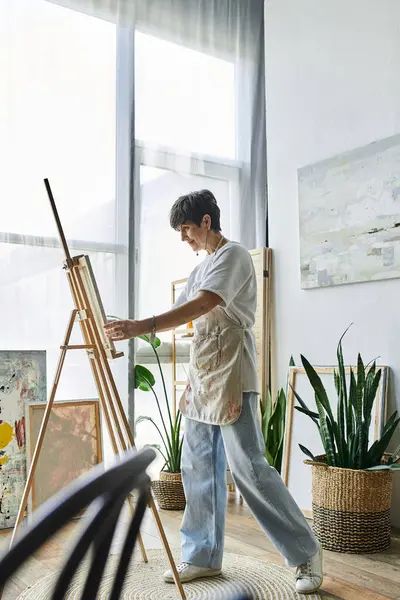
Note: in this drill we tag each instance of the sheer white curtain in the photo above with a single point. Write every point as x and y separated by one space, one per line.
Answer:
57 120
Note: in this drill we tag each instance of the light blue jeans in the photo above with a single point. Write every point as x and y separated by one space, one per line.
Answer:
205 450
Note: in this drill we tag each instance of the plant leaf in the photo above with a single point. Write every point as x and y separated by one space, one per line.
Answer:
276 427
342 398
144 379
318 387
269 457
279 456
142 418
146 338
371 387
383 468
273 427
359 390
353 455
336 379
268 408
363 445
389 423
307 412
303 405
158 447
326 434
165 440
307 452
352 403
378 448
340 429
395 456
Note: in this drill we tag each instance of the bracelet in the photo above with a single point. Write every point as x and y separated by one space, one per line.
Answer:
153 330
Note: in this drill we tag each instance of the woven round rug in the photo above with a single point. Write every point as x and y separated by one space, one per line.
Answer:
241 574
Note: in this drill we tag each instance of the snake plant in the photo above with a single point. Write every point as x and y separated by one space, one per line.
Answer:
273 417
345 436
273 427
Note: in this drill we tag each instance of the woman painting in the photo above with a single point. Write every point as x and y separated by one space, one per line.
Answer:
220 404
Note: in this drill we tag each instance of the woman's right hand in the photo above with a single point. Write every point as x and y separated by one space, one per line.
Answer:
118 331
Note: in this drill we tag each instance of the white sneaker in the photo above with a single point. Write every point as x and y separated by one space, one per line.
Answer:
188 572
309 576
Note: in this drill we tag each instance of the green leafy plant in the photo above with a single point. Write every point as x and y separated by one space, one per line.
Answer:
273 427
170 428
346 438
273 417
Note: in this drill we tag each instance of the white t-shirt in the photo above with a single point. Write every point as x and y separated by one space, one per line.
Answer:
229 273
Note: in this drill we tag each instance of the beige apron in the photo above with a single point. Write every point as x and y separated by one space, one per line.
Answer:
214 393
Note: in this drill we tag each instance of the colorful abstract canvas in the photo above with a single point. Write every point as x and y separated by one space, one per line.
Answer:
71 446
22 381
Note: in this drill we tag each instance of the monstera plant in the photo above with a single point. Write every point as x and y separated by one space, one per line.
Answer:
168 489
169 428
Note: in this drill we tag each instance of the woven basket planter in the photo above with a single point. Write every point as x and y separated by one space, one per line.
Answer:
351 509
168 491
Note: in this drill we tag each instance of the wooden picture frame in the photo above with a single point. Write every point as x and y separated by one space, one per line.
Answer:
262 261
72 445
300 429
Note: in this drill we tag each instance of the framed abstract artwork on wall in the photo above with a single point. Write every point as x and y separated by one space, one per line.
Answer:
349 216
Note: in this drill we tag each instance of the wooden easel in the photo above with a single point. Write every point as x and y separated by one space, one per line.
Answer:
116 421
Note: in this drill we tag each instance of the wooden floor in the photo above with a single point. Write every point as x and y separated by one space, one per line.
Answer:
347 577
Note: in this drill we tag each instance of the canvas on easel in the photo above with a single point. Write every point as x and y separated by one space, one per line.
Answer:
96 304
90 315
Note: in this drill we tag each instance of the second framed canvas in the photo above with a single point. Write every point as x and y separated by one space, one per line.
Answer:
299 428
22 381
72 445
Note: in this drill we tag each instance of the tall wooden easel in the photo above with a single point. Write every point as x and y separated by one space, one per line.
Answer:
116 421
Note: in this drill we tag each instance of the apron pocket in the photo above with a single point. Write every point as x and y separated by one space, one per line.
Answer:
206 352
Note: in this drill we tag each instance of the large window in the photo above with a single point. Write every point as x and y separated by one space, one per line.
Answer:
57 120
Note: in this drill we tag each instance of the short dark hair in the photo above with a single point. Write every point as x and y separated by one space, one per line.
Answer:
192 207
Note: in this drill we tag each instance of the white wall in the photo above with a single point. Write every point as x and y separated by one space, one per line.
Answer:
333 84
